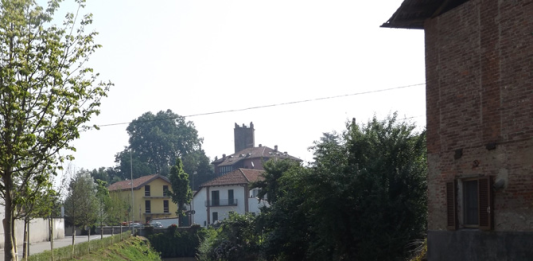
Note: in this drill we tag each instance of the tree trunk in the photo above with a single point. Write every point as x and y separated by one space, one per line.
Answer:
25 244
9 251
89 237
102 230
73 239
14 235
52 237
29 233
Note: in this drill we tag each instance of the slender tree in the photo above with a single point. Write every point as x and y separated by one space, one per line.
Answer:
104 204
81 204
47 93
181 191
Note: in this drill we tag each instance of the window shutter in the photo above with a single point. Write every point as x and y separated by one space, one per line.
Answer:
451 206
485 203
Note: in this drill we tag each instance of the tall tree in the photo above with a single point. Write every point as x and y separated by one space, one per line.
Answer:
81 204
199 168
181 191
365 191
156 140
46 94
269 186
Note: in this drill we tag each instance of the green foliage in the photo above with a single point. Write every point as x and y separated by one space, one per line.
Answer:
81 204
365 191
118 210
156 140
181 191
274 169
197 164
47 94
178 243
103 203
363 198
84 249
109 175
236 239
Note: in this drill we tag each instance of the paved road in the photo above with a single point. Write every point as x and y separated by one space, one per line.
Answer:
42 246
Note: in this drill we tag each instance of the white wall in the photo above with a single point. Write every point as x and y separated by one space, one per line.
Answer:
198 204
223 211
39 230
254 205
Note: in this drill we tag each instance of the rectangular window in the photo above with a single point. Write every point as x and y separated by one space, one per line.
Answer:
215 198
471 208
476 203
230 197
215 216
165 206
147 190
165 190
147 206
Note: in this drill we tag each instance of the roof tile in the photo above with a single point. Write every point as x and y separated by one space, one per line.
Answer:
137 183
236 177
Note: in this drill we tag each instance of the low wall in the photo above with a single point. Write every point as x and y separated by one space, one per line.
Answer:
39 230
479 245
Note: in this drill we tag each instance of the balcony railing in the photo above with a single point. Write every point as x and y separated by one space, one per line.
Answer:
156 197
221 202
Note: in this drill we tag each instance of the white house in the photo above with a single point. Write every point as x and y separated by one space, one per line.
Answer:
228 193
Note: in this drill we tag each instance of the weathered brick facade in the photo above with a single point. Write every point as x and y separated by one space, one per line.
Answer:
479 74
479 98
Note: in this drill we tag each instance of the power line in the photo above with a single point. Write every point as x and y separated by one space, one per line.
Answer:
273 105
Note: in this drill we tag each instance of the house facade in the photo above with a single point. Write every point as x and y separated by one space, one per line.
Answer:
479 98
149 198
246 154
216 199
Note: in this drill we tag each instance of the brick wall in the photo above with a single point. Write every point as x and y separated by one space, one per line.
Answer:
479 74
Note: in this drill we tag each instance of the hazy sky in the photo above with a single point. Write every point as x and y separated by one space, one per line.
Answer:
198 57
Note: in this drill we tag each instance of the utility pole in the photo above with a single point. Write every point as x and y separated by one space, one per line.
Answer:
132 201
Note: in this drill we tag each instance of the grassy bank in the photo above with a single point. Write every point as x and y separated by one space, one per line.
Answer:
134 248
111 248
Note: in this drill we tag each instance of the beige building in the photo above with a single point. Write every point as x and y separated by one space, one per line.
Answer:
149 200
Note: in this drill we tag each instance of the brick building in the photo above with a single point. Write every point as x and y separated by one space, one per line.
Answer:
246 154
479 96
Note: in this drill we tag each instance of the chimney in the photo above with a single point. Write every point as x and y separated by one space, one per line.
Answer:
223 156
275 147
260 145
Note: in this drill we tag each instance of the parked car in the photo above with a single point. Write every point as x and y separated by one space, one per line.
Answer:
156 224
136 225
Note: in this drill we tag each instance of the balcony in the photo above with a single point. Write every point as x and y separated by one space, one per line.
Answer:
221 203
156 213
156 197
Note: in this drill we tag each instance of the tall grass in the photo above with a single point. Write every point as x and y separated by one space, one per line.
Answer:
81 249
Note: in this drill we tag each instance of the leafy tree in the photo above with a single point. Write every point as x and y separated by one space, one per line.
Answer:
126 161
236 239
286 223
362 199
38 200
197 164
109 175
269 187
81 204
104 204
156 140
118 210
181 191
46 94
